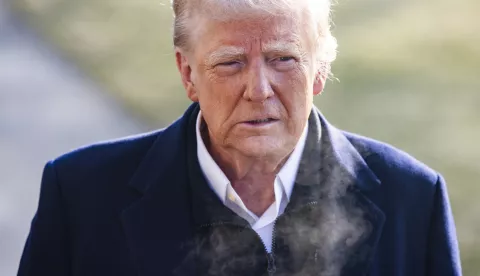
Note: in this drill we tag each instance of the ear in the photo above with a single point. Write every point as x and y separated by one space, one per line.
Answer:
319 83
185 70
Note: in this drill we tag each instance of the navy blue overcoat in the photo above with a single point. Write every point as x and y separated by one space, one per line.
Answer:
124 208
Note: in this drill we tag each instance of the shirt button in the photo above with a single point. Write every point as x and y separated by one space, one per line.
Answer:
231 197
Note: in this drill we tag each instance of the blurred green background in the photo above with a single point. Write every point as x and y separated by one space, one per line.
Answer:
408 73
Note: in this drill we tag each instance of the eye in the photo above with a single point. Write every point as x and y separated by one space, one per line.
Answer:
284 63
286 59
228 68
228 63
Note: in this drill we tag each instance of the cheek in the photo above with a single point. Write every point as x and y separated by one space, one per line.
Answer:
220 97
292 88
209 88
295 94
218 100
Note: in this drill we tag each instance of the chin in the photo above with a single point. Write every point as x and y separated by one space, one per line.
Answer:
262 147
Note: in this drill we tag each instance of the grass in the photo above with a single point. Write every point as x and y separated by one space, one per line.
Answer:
408 71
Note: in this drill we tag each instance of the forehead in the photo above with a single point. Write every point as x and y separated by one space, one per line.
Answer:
276 33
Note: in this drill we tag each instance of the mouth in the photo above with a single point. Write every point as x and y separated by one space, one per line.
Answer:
260 122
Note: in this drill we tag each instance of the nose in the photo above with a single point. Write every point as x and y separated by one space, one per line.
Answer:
258 87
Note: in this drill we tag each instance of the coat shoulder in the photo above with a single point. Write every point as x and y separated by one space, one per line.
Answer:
102 168
105 154
109 166
391 163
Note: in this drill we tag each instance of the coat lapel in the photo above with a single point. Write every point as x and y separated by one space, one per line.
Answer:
334 178
158 225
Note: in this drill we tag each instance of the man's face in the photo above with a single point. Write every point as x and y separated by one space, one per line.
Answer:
254 81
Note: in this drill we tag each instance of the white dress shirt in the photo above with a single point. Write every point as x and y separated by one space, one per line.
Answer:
283 186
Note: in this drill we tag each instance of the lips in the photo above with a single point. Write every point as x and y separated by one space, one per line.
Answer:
260 121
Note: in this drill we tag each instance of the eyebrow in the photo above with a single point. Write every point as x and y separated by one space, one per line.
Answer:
228 52
224 53
277 46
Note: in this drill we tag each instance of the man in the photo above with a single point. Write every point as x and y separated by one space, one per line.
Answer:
251 180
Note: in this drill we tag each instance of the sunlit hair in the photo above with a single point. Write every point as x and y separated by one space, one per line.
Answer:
318 11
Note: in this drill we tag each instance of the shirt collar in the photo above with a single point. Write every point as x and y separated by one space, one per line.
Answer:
218 181
288 172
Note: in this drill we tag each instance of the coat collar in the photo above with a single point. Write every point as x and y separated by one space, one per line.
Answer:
330 165
161 221
158 225
333 178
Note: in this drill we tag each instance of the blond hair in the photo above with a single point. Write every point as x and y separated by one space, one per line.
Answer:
319 11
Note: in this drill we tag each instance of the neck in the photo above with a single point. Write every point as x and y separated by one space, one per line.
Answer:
251 177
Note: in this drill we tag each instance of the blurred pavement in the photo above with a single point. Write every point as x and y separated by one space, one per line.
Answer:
47 107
